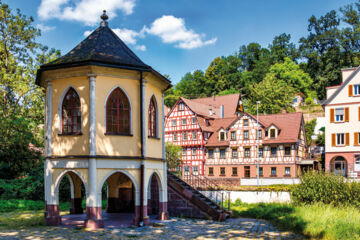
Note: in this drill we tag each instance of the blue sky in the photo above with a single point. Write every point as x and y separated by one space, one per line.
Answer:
176 36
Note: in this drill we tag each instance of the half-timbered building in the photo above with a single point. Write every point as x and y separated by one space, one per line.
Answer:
189 125
276 142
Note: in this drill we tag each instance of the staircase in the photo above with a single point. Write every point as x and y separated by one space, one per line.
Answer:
195 199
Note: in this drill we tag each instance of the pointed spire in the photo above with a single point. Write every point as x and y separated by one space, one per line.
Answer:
104 17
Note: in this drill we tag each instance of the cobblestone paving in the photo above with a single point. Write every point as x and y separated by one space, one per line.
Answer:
175 228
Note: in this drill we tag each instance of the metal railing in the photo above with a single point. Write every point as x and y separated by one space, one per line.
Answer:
210 189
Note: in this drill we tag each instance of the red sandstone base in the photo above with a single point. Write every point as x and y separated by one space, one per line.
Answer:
52 216
94 220
163 213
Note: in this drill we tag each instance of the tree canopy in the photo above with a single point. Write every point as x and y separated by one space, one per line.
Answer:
21 101
308 66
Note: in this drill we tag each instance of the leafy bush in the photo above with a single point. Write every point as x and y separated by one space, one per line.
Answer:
325 188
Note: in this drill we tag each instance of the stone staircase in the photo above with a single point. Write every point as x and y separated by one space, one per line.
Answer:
189 202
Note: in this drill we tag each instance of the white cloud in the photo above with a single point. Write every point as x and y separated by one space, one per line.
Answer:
128 36
140 47
173 30
45 28
87 33
85 11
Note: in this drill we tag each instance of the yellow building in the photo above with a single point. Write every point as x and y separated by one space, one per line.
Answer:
104 124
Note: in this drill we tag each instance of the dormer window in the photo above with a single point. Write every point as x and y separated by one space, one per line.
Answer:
272 133
193 120
207 123
222 136
181 106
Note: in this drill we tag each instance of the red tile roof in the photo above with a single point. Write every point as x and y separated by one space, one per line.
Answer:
229 102
289 124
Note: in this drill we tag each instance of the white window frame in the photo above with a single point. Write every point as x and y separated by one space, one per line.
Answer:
193 120
247 122
340 139
356 90
193 151
184 136
285 172
183 123
181 106
173 123
247 135
233 136
341 116
194 136
211 156
175 137
245 151
221 157
234 150
184 152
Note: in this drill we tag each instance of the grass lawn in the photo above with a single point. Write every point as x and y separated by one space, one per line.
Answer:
316 221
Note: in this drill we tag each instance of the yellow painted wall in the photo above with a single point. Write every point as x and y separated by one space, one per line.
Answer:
70 145
102 173
111 144
153 146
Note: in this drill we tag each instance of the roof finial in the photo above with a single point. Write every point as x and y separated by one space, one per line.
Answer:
104 18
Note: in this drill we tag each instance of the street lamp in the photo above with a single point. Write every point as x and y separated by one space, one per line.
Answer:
257 141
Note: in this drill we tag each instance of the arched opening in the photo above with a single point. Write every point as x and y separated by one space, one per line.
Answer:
118 112
338 166
154 206
119 199
71 193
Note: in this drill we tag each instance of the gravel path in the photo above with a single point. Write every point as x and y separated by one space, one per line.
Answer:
175 228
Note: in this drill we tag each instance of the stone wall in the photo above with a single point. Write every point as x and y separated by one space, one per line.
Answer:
181 207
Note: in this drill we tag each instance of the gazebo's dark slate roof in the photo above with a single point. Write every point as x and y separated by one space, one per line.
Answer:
103 48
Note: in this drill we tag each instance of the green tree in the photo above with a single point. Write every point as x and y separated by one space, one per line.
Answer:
173 155
192 85
274 96
21 101
309 130
291 73
282 48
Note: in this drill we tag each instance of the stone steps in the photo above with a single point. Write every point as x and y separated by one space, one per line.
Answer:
197 200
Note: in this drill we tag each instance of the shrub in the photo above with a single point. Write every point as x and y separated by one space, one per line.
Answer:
325 188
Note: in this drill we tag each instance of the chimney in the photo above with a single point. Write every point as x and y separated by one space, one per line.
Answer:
221 111
284 111
211 111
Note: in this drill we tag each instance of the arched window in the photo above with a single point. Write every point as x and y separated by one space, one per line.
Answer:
118 113
152 118
71 113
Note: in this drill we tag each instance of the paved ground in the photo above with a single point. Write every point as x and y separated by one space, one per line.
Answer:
176 228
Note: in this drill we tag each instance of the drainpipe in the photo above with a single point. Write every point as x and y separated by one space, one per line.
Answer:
142 141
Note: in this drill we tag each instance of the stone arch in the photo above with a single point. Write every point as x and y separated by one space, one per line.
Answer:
339 165
76 180
156 200
61 103
130 105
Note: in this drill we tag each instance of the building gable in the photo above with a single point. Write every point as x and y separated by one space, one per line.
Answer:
345 93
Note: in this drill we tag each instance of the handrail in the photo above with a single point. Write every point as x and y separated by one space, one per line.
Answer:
202 183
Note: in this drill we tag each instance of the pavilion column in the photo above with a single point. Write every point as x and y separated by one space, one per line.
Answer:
52 215
163 214
141 213
93 202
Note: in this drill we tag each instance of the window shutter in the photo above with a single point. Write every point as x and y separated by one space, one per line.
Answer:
346 114
333 139
350 90
359 113
332 115
356 139
347 139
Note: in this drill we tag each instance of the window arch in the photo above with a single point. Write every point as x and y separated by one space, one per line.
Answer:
118 113
71 113
152 126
